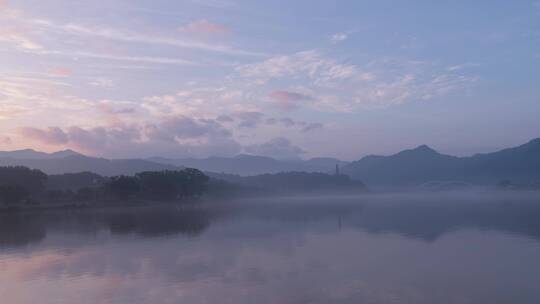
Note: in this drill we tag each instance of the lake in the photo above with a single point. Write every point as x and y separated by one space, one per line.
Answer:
387 248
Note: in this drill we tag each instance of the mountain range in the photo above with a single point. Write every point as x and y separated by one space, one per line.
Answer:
253 165
423 165
407 168
33 154
69 161
55 163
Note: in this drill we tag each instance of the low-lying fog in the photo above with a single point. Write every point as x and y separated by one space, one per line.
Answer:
456 247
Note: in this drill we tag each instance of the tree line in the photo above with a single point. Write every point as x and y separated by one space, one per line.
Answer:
29 186
21 184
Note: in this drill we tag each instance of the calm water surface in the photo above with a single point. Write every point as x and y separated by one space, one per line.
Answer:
473 248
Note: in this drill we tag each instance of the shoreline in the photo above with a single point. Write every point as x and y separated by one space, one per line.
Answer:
202 201
94 205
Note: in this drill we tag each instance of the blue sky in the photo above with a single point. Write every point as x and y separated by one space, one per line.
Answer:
279 78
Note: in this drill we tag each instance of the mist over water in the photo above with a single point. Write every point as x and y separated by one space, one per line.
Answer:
471 247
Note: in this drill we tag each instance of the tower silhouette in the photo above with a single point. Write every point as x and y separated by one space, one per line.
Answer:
337 169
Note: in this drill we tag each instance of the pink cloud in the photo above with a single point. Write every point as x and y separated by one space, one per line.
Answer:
289 96
6 140
61 72
287 100
205 27
49 136
179 135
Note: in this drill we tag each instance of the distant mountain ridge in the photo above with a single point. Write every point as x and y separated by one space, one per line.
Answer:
244 164
69 161
33 154
81 163
411 167
423 164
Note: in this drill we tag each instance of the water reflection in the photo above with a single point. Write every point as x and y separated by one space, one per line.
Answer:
20 230
422 217
23 228
159 221
425 218
335 250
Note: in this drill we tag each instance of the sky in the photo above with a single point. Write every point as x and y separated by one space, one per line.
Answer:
286 79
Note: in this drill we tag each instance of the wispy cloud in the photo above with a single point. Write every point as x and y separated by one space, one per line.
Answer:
9 110
462 66
140 59
282 95
18 38
102 83
212 101
338 37
130 36
215 3
29 82
309 64
205 27
347 87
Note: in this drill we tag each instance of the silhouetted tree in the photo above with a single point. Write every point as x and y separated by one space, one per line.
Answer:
86 194
54 195
172 184
32 181
17 183
74 181
159 184
195 182
123 187
12 194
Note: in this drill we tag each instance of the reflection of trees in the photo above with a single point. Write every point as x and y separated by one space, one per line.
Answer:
431 220
20 230
423 219
159 221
